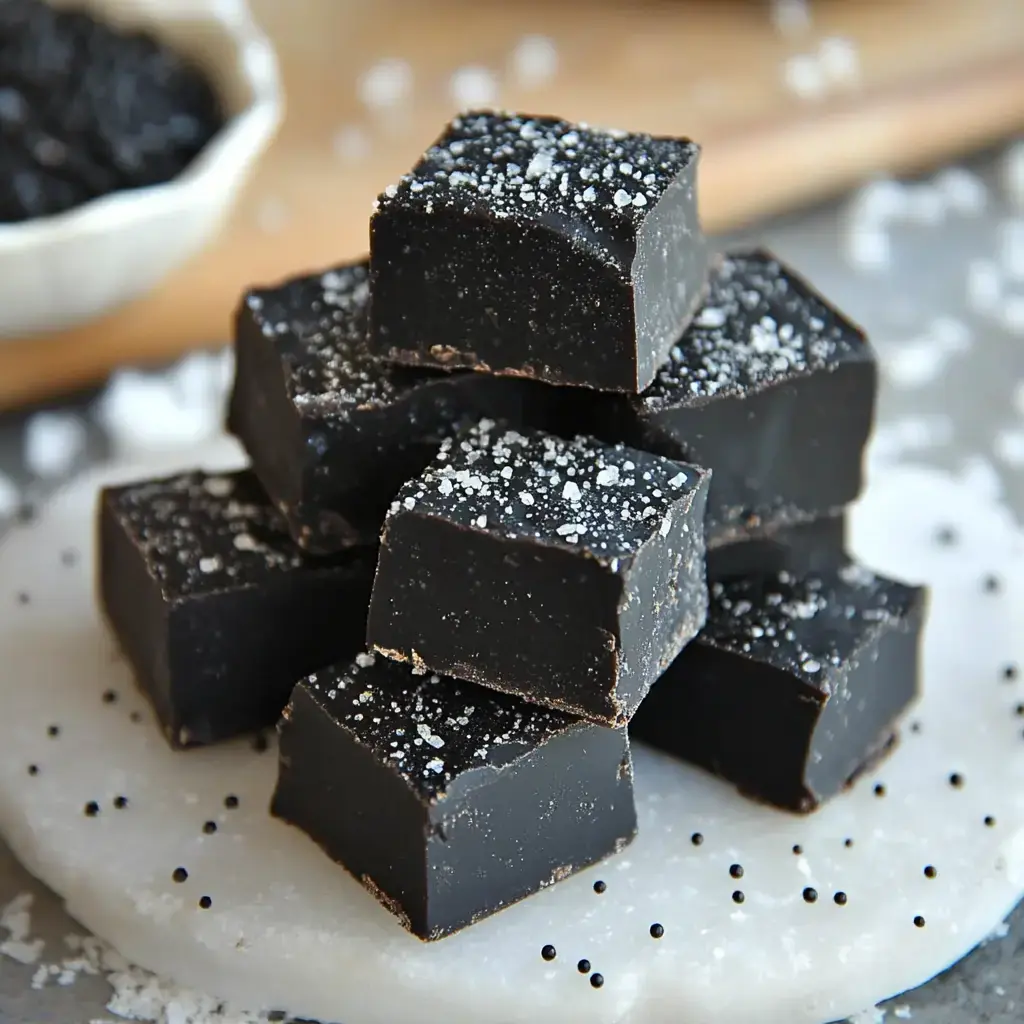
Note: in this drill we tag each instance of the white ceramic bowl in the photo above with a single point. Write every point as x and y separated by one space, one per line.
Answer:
59 271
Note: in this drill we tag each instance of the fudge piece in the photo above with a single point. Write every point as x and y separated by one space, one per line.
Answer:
567 572
215 607
794 685
534 247
446 801
771 388
802 549
333 433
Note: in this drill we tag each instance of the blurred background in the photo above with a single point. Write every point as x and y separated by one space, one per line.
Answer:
793 102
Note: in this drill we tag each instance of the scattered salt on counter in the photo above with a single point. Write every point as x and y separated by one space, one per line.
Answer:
202 376
351 144
878 202
868 246
1011 248
865 240
872 1015
839 60
1013 174
534 60
156 411
984 285
898 437
1009 447
924 204
834 65
386 84
16 918
919 360
962 191
53 441
473 86
137 994
9 497
1012 314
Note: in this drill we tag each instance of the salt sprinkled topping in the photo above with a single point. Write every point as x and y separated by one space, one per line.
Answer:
808 627
760 325
529 168
136 994
430 728
53 441
531 485
202 533
318 326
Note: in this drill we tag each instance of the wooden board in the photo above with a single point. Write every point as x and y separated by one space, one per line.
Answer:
937 77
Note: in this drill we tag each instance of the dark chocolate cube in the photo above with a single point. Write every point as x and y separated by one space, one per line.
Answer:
800 550
772 389
568 572
215 607
794 685
448 802
534 247
332 432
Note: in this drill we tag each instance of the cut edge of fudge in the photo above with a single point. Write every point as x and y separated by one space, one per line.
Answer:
451 777
496 517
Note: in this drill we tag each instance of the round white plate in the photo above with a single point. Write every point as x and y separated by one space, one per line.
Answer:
288 929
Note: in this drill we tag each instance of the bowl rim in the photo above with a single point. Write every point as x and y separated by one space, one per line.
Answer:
243 136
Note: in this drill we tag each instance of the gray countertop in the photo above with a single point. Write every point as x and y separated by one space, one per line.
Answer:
912 307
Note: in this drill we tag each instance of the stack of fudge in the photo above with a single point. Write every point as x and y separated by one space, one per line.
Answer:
536 476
